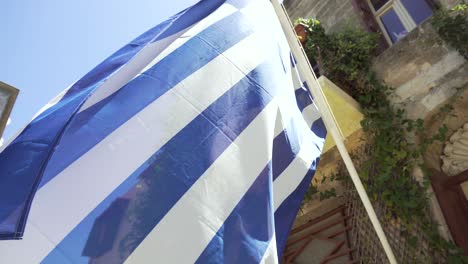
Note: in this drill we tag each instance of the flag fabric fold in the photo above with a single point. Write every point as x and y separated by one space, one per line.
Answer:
194 143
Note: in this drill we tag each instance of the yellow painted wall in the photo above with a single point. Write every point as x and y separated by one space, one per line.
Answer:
345 110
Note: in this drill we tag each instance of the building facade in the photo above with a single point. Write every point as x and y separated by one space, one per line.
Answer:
427 74
8 96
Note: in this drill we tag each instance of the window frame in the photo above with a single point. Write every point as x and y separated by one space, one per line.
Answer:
401 12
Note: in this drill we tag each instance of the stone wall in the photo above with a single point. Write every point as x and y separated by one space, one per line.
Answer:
337 14
334 14
427 73
454 120
424 69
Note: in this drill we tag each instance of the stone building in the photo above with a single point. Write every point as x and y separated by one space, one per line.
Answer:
426 73
8 96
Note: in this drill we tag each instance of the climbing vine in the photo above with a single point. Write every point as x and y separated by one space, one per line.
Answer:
387 170
452 26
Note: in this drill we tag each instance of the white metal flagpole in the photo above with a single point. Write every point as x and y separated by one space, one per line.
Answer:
306 71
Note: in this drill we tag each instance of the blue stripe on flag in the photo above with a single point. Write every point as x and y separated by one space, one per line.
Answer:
173 25
19 177
285 148
282 153
293 60
246 234
287 211
188 17
318 127
117 224
21 163
185 158
95 123
303 98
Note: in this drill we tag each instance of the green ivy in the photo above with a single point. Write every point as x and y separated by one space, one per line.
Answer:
313 47
452 26
345 58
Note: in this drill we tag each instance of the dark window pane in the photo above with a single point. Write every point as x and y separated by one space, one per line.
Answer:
378 3
419 10
393 25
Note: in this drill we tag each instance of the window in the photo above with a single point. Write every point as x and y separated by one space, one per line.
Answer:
398 17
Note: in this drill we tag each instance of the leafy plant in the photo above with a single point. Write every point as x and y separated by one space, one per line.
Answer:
343 56
387 169
323 194
316 42
452 26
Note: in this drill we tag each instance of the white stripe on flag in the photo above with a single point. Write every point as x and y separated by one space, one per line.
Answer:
271 255
49 104
24 254
311 114
267 22
128 71
222 12
196 217
152 54
60 205
296 78
292 176
52 102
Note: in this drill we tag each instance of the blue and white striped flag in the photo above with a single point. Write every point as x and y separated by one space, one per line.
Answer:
192 143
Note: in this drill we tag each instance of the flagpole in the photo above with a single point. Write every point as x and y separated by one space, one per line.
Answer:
305 70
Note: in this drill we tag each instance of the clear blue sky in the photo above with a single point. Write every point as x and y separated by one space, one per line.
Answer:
46 45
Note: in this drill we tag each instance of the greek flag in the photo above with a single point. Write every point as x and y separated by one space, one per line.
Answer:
193 143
